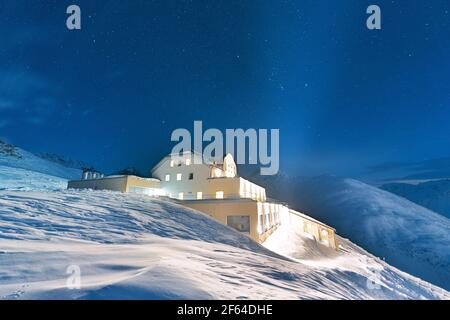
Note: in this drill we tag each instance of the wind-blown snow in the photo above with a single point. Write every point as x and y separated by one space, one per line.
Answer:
410 237
132 246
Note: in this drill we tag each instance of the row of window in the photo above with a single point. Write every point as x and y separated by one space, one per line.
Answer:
186 162
268 221
179 177
219 195
252 191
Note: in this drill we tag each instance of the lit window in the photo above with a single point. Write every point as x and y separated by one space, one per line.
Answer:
181 196
219 195
199 195
178 176
172 163
188 162
167 177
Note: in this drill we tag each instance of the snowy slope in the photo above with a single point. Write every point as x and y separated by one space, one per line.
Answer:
22 170
15 157
434 195
22 179
410 237
132 246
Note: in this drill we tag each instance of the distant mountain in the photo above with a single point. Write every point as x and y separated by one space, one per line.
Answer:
15 157
434 195
409 172
410 237
23 170
66 162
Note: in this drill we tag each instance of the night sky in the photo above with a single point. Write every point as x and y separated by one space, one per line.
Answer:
344 97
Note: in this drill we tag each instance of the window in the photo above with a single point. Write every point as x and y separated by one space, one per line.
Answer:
167 177
179 176
172 163
219 195
181 196
240 223
142 190
191 176
199 195
188 162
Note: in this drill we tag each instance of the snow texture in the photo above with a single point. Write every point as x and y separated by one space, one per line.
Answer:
136 247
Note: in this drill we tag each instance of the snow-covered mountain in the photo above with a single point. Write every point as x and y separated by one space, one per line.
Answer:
66 162
23 170
132 246
410 237
434 195
136 247
408 172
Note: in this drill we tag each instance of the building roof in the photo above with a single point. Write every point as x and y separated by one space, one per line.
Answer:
119 177
310 218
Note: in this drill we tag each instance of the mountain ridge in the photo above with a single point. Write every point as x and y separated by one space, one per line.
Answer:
409 236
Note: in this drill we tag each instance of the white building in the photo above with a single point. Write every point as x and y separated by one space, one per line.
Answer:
217 190
182 178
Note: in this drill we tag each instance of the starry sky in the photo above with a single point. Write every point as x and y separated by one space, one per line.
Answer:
344 97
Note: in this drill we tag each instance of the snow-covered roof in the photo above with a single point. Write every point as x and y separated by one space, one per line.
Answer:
310 218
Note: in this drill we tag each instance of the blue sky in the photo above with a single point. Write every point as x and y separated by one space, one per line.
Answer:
344 98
